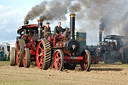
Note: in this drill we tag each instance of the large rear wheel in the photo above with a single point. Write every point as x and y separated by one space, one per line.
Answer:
19 52
43 54
58 59
12 56
86 62
26 58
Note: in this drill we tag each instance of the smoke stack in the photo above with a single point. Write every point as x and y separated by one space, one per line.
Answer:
100 37
39 28
72 26
26 22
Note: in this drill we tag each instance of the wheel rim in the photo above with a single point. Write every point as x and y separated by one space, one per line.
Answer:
40 55
84 63
57 60
24 58
17 53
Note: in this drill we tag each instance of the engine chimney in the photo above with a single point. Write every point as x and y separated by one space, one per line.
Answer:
100 37
39 28
26 22
72 26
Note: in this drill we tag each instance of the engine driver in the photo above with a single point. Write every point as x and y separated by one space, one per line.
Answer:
58 29
47 29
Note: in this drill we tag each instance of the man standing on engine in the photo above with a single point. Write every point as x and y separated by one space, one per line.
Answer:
47 29
58 29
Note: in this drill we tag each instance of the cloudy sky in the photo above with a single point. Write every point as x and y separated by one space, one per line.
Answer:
12 16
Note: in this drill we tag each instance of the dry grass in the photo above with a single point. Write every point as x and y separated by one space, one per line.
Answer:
100 74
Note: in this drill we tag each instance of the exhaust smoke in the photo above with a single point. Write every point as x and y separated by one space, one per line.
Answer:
49 10
90 14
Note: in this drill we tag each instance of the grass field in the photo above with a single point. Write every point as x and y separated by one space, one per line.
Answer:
100 74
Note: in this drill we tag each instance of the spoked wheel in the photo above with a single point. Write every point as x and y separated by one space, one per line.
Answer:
86 62
12 56
43 54
58 59
19 52
26 58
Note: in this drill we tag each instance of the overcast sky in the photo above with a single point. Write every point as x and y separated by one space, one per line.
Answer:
12 16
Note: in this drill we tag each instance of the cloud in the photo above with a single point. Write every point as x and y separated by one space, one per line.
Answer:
11 18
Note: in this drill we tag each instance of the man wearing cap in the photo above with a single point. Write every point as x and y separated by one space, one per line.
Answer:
47 29
58 29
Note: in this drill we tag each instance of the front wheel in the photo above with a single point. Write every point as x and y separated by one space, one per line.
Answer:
86 62
58 59
19 52
26 58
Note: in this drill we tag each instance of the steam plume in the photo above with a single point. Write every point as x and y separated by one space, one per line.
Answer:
54 9
36 11
90 13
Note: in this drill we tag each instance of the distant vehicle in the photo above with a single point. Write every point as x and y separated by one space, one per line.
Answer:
94 55
4 52
112 49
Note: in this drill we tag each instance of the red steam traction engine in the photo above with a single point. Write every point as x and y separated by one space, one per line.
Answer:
60 52
26 44
56 50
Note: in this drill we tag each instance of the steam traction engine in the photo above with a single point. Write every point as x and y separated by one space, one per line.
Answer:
94 55
61 52
55 50
26 44
111 49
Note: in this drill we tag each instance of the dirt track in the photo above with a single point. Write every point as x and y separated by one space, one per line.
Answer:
99 75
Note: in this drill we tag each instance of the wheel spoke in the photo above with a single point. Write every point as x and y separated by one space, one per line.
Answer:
40 49
57 54
40 61
37 54
86 61
58 65
40 55
59 60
